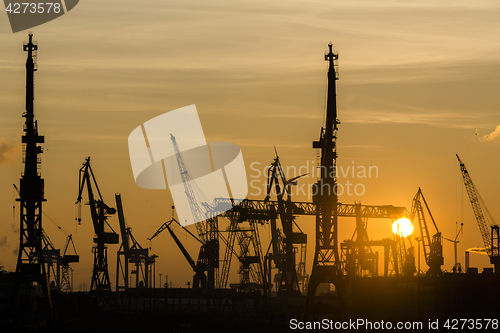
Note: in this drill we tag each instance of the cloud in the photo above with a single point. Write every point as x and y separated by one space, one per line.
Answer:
8 151
495 135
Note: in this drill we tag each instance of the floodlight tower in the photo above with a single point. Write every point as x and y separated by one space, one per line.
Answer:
30 266
327 266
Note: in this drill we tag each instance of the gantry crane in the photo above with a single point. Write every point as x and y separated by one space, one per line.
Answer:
432 244
132 252
66 259
357 255
100 213
243 229
263 211
491 241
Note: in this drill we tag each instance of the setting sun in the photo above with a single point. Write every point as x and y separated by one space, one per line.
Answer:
402 227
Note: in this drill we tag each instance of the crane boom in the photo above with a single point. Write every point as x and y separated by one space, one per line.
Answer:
476 206
199 268
164 226
121 220
181 247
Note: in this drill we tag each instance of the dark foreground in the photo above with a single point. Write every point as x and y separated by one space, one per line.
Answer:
391 300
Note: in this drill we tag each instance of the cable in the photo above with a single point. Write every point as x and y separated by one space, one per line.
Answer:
58 226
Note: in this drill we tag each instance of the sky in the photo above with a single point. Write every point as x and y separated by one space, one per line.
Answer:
418 84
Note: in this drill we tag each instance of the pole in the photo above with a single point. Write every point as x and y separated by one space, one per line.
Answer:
418 240
455 247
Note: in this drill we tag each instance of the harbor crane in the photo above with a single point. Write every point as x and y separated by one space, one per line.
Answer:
131 251
100 213
284 254
30 266
66 259
199 267
208 231
243 230
491 240
432 244
51 258
327 267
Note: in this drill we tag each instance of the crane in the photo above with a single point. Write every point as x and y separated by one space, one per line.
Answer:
66 259
491 241
199 267
132 252
432 244
51 256
284 256
50 253
327 267
209 233
100 213
30 262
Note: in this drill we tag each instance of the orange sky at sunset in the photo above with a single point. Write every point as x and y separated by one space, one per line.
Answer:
418 84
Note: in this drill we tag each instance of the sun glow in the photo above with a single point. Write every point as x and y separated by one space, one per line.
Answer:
402 227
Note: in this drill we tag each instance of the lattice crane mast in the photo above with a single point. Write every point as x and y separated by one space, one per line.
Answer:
491 241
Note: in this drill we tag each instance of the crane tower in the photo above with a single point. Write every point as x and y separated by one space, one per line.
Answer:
326 265
30 264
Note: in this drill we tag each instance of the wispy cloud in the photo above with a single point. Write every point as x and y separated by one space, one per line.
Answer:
495 135
441 118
